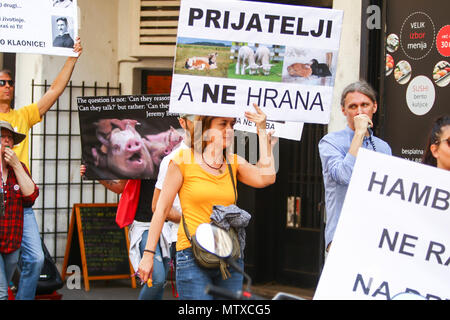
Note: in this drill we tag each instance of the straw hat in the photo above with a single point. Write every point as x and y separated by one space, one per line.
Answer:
17 137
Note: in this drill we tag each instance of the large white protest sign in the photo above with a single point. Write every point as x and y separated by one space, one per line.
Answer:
38 26
393 233
231 54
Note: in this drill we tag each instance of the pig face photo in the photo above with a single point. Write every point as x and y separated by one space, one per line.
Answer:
122 147
123 151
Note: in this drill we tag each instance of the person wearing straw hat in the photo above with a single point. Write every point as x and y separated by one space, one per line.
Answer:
18 190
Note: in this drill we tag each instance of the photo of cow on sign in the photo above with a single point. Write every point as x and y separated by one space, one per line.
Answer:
127 140
201 63
201 57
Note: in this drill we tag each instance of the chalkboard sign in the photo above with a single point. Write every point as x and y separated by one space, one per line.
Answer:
98 245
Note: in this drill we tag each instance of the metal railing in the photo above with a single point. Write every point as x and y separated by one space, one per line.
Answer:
55 158
305 175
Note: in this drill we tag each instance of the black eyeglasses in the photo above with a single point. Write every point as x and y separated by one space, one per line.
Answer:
448 141
4 82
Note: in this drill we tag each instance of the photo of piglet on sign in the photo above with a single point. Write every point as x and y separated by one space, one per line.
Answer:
126 137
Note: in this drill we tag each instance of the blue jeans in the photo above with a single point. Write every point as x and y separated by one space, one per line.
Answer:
160 270
192 279
32 257
8 264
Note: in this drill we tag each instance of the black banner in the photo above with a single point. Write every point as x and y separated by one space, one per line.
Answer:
126 137
417 73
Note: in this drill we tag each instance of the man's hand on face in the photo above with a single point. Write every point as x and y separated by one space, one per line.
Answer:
362 122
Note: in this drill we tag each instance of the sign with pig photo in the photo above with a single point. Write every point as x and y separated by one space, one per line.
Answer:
231 54
126 137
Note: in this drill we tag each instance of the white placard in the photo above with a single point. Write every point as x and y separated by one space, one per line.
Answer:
286 130
38 26
393 233
302 45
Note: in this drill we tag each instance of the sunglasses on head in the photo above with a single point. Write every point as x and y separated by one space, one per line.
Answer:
4 82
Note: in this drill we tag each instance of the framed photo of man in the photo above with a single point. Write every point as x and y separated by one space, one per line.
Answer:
62 28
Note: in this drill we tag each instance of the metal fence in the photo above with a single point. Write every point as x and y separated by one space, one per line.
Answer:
55 158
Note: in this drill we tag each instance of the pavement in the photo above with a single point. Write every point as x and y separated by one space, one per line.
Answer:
122 290
109 290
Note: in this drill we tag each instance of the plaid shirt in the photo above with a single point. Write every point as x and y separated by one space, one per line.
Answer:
11 223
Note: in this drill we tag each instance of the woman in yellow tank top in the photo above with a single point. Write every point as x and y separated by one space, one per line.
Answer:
201 178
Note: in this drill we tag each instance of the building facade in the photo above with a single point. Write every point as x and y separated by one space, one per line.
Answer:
129 48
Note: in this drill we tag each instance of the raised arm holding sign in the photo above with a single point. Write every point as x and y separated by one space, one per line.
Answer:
60 83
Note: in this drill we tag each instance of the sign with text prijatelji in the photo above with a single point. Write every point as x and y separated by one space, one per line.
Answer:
98 244
417 79
393 233
38 26
231 54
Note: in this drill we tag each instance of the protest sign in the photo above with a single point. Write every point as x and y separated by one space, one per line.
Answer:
393 232
281 129
38 26
126 137
231 54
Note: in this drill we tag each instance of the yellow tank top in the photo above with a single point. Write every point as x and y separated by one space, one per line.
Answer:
200 191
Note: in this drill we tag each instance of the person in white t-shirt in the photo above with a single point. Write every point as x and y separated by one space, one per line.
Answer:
176 206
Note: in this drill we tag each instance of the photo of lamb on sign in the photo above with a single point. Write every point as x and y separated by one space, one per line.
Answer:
253 61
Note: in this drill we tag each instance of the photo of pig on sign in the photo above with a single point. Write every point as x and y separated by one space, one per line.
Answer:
126 137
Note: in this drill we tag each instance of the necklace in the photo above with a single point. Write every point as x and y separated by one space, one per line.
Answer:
218 168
